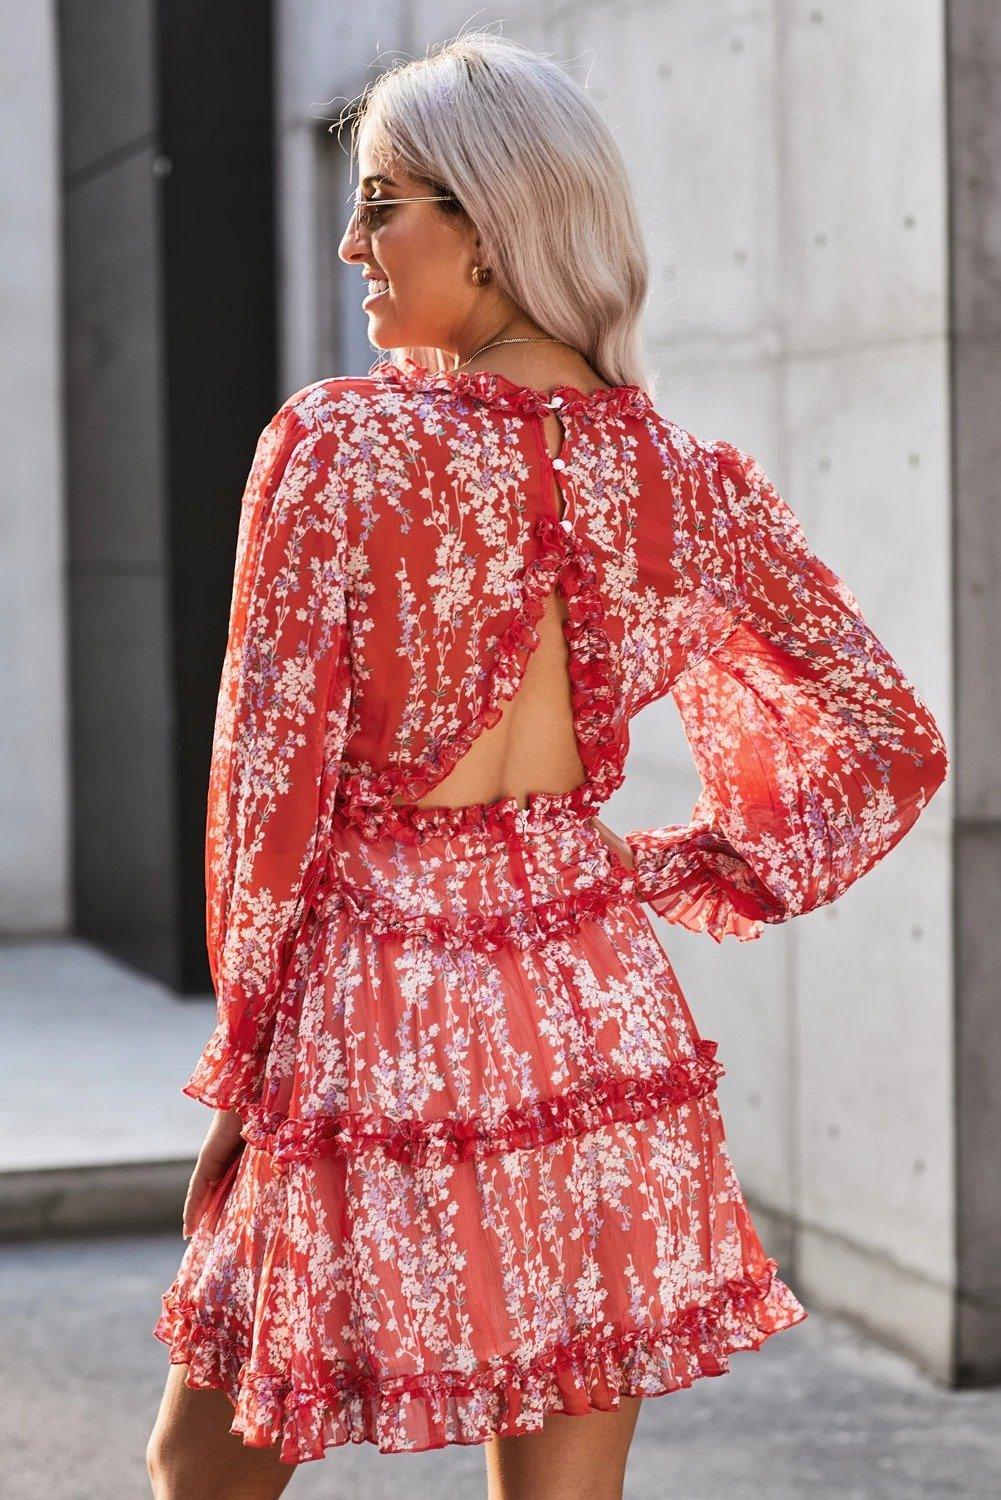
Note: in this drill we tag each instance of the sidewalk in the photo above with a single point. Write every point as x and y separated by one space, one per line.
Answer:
94 1131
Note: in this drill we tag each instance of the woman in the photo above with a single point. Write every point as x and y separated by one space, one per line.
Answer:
467 1175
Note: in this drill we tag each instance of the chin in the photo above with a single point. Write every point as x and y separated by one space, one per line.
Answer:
383 337
390 333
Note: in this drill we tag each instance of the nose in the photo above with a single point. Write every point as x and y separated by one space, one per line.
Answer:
352 247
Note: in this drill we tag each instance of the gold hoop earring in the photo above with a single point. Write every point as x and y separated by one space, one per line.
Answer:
482 274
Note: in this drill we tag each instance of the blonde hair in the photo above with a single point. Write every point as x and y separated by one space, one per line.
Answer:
527 154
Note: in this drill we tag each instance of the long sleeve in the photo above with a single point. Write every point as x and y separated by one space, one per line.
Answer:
280 722
815 752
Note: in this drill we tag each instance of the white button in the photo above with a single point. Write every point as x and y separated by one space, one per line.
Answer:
559 463
567 525
556 401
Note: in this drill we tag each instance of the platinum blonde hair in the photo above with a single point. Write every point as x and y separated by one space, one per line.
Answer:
529 157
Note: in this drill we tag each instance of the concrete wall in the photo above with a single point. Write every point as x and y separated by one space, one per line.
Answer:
34 798
789 161
974 60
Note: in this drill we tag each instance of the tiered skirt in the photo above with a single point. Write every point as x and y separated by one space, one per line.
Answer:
485 1176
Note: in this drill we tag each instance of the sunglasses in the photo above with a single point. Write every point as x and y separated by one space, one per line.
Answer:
366 213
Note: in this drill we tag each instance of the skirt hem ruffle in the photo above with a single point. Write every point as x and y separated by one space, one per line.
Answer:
502 1398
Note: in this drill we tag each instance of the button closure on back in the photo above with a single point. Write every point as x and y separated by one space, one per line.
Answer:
556 401
559 463
567 525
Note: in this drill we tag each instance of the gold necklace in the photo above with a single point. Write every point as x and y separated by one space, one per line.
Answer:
495 342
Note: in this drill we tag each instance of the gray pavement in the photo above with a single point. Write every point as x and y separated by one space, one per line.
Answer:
79 1026
817 1411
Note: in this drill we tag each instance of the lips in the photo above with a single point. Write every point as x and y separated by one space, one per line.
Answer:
377 287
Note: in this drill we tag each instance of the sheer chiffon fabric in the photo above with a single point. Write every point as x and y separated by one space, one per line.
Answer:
485 1180
484 1174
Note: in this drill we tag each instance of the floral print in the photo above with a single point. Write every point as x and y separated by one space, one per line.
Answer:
485 1175
815 751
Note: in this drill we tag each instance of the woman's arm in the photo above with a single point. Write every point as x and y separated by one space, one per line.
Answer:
280 722
222 1142
815 752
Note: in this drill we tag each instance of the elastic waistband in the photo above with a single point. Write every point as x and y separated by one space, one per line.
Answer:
502 818
506 874
526 923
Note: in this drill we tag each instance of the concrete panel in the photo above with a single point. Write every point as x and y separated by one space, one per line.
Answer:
864 251
113 367
725 396
974 53
324 330
869 462
978 1091
302 303
977 375
745 1000
433 21
681 83
111 107
975 166
904 1311
876 1110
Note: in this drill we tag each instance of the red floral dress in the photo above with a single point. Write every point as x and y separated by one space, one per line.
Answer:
485 1175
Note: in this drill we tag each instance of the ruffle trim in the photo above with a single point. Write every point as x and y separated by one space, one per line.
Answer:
694 877
524 926
415 1142
505 1396
226 1076
489 388
365 798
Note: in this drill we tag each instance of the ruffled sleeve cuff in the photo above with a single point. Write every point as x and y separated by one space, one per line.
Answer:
691 875
226 1076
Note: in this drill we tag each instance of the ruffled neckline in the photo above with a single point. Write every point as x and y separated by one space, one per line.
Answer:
495 390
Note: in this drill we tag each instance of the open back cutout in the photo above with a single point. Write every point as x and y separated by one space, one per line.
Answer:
533 746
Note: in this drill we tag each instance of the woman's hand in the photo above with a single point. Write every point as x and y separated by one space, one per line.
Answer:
617 845
220 1146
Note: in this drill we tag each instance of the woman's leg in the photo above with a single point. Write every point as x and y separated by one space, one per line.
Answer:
192 1455
572 1458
